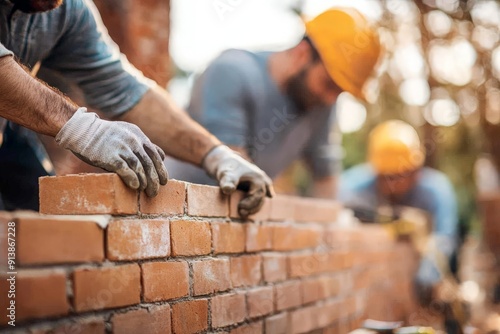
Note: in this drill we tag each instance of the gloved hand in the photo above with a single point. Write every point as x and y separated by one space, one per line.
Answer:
232 171
426 278
118 147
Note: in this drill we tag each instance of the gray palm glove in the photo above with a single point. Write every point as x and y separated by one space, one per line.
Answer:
118 147
232 171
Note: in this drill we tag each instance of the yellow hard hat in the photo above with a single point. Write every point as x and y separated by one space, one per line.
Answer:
348 46
394 148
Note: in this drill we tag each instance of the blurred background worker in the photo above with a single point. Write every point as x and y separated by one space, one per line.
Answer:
277 107
394 176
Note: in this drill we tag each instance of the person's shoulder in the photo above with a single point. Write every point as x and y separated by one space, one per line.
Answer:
241 61
434 178
70 10
436 185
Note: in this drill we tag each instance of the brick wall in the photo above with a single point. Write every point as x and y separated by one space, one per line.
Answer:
104 259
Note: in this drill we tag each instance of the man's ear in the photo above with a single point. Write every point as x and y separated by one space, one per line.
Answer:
301 54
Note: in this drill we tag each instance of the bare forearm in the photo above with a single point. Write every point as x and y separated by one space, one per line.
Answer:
170 128
29 102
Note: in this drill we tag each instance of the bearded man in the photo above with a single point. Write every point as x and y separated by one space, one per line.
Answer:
277 107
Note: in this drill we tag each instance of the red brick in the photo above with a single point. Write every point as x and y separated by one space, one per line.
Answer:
287 295
260 301
331 286
275 267
106 287
261 215
282 208
337 237
259 237
91 326
190 316
303 320
327 313
294 237
277 324
38 294
86 194
228 309
314 289
336 261
138 239
165 280
206 201
246 270
301 265
228 237
211 276
42 240
253 328
316 210
156 320
190 237
170 200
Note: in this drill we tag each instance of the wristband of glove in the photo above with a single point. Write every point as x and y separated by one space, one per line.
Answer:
213 157
75 129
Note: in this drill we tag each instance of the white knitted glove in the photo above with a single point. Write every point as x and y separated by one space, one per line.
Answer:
232 171
118 147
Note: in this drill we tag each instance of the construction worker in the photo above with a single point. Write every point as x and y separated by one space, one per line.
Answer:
395 176
277 107
69 38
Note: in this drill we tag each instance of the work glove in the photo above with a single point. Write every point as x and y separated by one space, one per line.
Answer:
425 280
118 147
232 172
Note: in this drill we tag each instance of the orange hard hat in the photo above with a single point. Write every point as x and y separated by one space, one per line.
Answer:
394 148
348 46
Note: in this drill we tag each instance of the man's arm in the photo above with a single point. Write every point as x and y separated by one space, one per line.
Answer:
114 146
183 138
31 103
170 127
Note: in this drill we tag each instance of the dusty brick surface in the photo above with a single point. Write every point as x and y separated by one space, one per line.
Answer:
206 201
228 309
86 194
170 200
228 237
138 239
165 280
246 270
107 287
58 240
156 320
190 316
190 237
211 275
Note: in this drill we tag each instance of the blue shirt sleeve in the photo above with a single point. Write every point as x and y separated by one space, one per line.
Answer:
357 187
445 209
86 55
324 153
4 51
219 100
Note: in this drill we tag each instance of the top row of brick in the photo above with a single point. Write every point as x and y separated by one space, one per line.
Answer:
85 194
